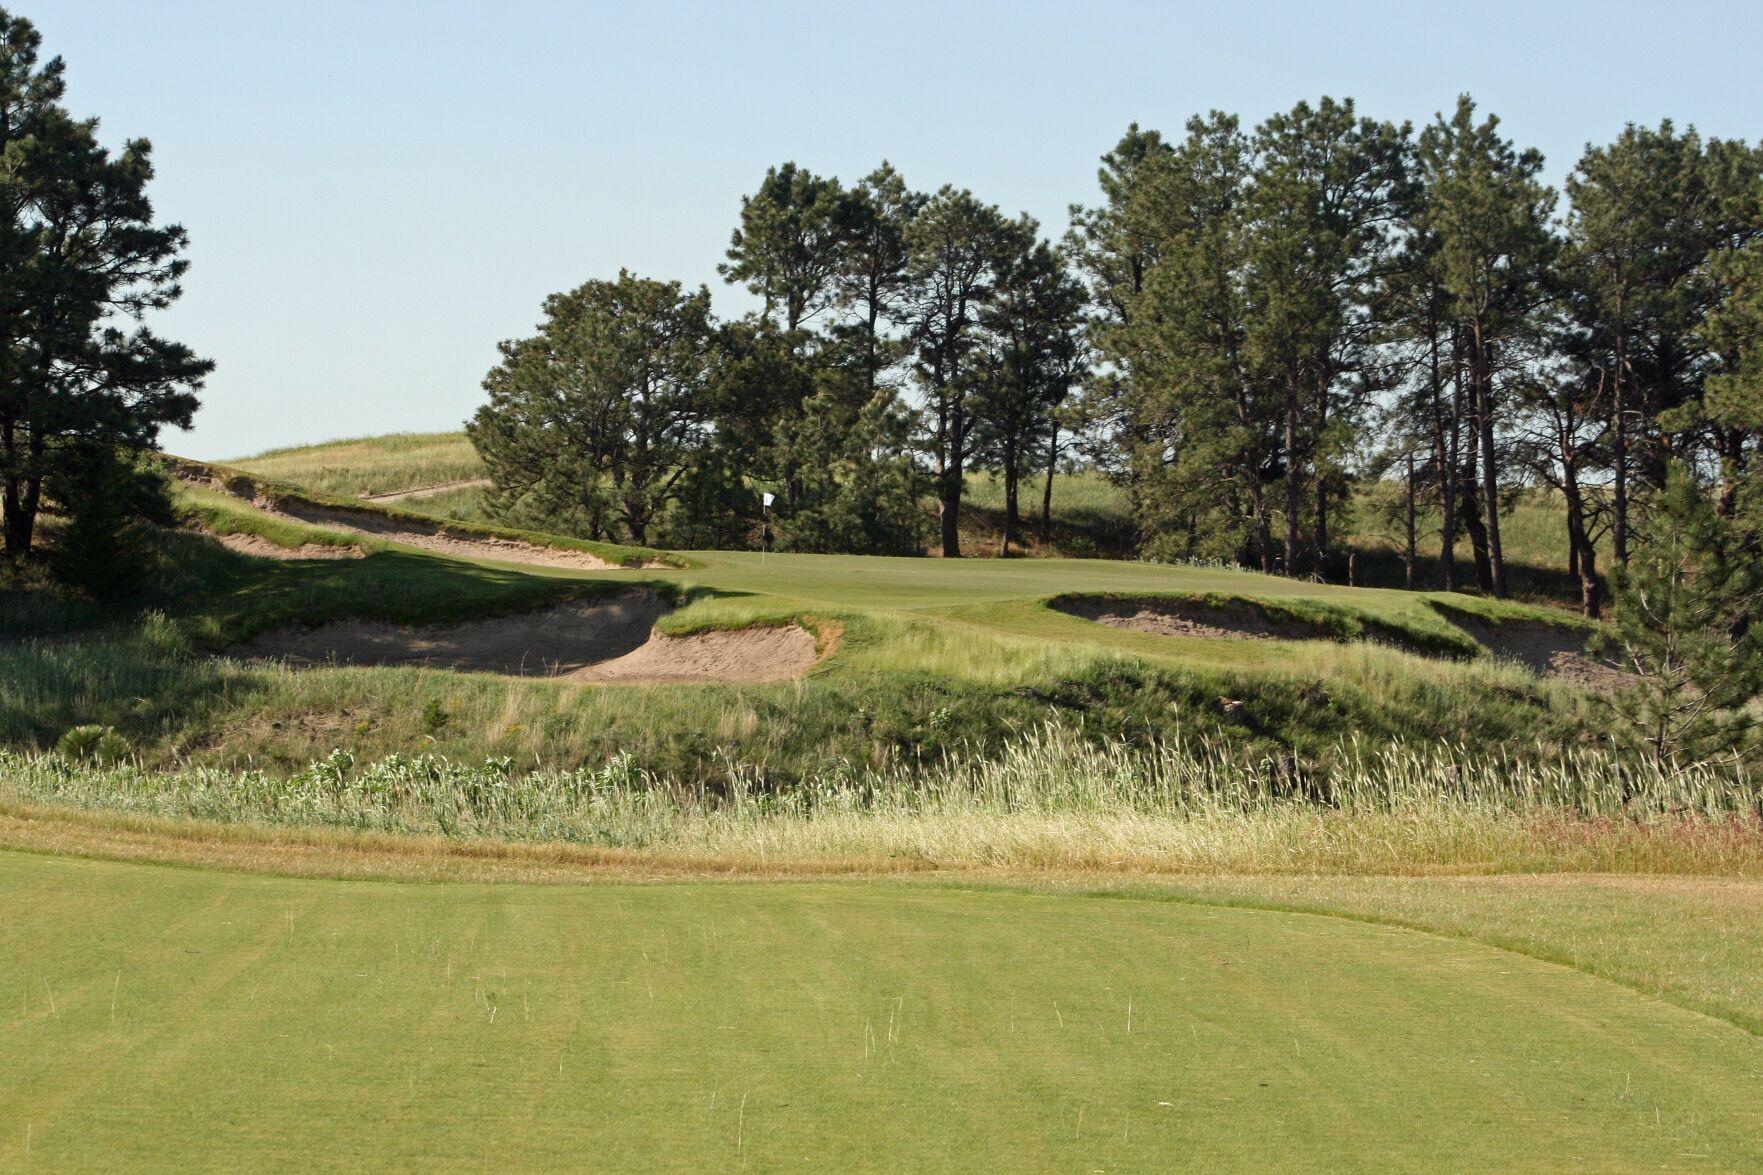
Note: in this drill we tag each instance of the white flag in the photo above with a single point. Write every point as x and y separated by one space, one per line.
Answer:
767 498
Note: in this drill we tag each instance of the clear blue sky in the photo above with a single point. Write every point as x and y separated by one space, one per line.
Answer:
378 192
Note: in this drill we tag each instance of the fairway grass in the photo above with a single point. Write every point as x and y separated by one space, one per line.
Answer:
203 1020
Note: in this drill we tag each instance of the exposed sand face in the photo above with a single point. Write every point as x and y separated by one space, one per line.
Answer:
262 548
1551 651
1555 652
1181 618
610 639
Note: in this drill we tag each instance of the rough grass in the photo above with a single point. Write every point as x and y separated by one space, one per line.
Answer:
1051 799
369 465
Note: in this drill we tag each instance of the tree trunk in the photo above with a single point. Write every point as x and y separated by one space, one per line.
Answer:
1448 443
1263 527
1478 536
1012 484
17 527
19 524
1490 462
1321 561
1408 536
1291 457
1619 420
1470 509
1583 556
949 496
1047 492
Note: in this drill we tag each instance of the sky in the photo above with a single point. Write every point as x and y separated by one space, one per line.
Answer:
377 193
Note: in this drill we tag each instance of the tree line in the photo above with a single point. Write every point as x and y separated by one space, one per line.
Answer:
1246 327
903 339
1328 298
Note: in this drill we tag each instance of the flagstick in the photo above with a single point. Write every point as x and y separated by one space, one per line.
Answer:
764 526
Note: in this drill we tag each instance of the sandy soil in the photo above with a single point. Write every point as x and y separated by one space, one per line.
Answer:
427 491
610 639
1552 651
1178 618
744 654
262 548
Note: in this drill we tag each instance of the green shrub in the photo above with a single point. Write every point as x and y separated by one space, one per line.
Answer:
93 744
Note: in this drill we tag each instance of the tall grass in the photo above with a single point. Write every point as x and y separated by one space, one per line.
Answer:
1052 799
371 465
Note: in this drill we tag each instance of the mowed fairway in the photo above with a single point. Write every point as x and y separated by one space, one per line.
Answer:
157 1017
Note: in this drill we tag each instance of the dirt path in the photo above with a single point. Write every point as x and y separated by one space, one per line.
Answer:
609 639
437 537
427 491
413 532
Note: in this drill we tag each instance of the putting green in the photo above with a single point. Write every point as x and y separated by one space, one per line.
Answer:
161 1017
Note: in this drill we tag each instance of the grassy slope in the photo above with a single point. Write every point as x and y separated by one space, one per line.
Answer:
1697 941
1090 515
370 465
217 1020
935 654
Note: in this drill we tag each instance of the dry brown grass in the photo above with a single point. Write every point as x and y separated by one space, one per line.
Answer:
1005 849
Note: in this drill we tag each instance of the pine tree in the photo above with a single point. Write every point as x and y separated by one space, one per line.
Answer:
957 247
1491 216
81 261
1322 207
789 247
608 406
1687 606
1030 359
1733 331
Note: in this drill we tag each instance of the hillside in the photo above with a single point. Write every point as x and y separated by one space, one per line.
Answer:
916 656
1091 517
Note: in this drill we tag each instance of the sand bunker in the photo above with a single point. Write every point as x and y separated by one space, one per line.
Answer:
262 548
1185 618
607 639
1555 652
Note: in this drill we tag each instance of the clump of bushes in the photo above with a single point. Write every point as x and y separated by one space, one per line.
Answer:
99 745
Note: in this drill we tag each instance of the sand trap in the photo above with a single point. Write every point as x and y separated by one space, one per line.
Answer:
1185 618
1555 652
608 639
742 655
261 548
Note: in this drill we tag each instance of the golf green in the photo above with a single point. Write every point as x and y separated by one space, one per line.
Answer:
157 1017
